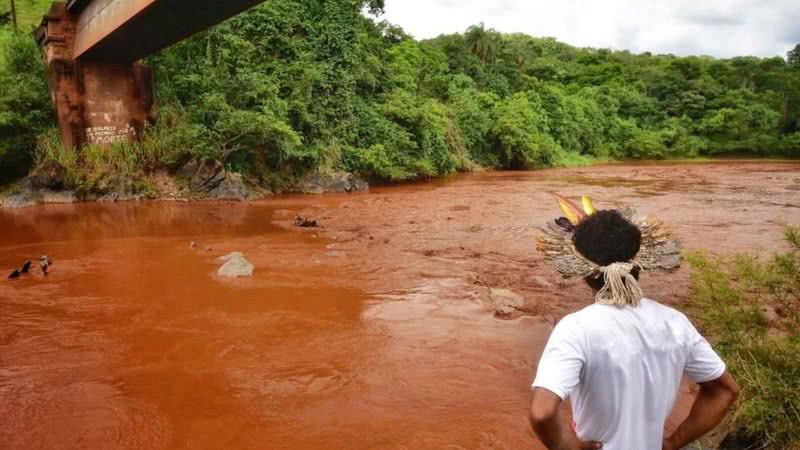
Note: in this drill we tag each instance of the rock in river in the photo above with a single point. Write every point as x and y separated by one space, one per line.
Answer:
236 266
506 304
305 222
321 182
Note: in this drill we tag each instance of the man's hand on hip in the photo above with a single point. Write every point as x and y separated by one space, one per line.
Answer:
549 428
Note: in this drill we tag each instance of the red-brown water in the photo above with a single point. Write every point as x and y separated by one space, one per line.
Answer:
373 332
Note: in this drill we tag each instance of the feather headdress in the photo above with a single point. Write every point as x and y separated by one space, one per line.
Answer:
659 248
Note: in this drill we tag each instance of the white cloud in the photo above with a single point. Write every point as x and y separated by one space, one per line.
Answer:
721 28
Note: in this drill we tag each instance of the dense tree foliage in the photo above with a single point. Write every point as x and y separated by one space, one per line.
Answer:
294 85
25 109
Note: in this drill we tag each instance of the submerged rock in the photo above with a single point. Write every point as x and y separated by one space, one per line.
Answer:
115 196
236 266
306 222
507 304
30 197
49 196
542 282
18 200
320 183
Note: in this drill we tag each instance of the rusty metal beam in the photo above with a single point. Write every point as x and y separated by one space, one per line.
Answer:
124 31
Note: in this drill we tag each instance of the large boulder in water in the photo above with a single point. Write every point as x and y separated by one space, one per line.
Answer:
236 266
322 182
48 175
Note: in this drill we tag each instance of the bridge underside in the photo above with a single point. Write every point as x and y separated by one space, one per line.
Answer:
100 92
129 30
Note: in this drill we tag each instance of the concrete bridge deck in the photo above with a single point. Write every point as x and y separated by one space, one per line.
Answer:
129 30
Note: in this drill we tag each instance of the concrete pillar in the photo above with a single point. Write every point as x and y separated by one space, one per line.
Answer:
95 102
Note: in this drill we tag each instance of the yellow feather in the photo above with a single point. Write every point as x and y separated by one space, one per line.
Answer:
569 213
588 207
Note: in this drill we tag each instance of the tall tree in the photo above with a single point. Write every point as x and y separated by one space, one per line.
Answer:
482 42
793 57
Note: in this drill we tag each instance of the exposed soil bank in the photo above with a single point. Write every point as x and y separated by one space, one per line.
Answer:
374 330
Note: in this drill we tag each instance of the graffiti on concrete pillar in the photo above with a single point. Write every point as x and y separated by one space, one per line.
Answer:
110 134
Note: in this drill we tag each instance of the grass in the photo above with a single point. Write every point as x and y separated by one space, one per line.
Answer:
122 167
750 307
94 169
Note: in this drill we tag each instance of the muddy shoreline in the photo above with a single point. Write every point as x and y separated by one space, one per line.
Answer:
374 330
176 188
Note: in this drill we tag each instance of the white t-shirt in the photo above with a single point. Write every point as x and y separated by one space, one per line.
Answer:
622 367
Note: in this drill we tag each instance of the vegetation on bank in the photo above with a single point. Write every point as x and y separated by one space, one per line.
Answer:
293 86
751 308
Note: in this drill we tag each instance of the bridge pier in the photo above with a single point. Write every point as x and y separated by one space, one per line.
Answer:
95 102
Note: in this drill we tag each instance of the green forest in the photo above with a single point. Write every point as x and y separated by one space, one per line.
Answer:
298 85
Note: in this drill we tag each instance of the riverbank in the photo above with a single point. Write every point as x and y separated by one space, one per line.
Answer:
375 329
209 180
52 183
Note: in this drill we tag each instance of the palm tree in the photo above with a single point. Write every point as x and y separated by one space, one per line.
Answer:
482 42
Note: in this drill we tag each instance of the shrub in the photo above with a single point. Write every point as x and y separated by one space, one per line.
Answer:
123 166
752 309
170 142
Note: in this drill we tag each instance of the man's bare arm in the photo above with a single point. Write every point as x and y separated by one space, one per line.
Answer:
549 427
710 407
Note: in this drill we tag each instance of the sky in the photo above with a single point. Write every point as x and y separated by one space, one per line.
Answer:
721 28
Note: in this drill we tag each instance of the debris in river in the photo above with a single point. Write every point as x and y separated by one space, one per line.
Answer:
305 222
44 264
236 266
22 270
193 245
208 248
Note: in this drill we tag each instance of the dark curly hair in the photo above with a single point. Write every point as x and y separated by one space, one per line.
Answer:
607 237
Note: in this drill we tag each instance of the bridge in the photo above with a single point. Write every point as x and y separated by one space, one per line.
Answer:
101 93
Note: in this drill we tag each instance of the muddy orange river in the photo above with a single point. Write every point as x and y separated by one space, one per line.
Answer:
374 331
